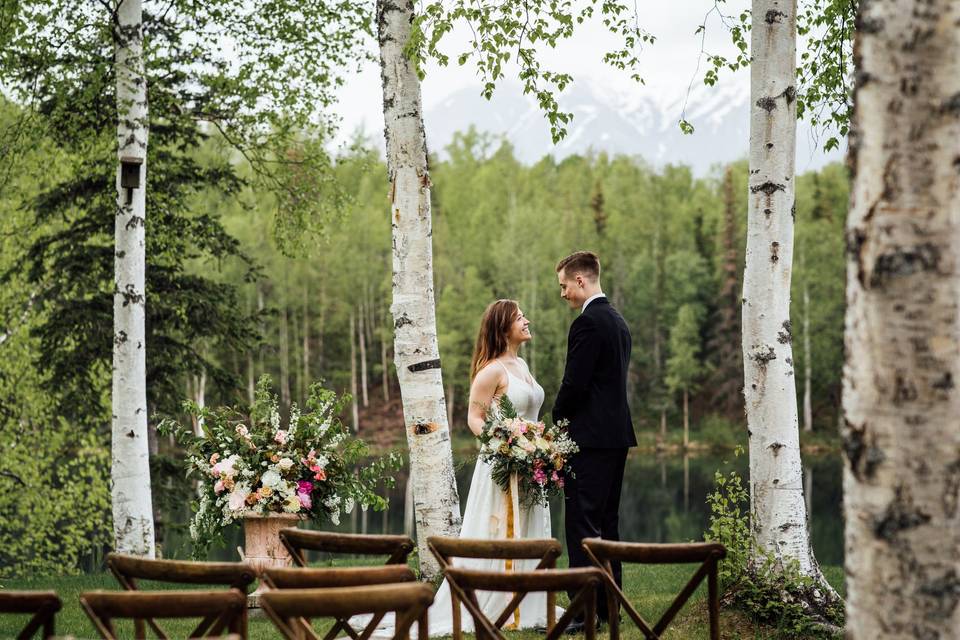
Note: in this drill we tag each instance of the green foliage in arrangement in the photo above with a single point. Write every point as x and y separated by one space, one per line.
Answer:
771 592
251 464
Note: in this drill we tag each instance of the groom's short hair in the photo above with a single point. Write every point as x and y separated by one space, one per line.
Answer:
586 263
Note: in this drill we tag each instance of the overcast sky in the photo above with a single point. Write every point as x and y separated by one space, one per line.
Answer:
668 66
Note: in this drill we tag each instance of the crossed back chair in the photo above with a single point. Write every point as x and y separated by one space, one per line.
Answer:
299 541
129 569
545 550
220 611
44 606
582 582
604 552
289 608
328 578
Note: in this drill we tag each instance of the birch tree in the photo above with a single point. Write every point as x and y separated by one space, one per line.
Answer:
130 474
778 511
416 353
901 435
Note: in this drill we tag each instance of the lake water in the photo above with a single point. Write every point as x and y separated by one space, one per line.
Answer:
664 500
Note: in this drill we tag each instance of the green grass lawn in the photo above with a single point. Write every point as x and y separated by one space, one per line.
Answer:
652 588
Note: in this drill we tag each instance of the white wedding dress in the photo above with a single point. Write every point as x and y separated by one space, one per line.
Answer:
485 516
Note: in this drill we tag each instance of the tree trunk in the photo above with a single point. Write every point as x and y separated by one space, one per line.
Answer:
807 363
385 372
305 374
778 512
284 359
354 408
450 395
263 328
416 354
251 378
130 473
363 357
321 325
200 389
686 419
900 396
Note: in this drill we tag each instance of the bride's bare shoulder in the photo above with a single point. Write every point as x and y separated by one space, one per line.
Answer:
491 374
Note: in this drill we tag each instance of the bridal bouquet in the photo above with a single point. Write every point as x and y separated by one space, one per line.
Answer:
257 466
538 453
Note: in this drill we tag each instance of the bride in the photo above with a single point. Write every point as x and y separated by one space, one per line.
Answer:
496 370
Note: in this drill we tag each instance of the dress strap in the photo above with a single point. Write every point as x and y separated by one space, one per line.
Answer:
503 366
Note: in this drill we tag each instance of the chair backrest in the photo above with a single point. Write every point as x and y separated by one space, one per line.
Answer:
319 578
581 582
220 611
127 569
546 550
44 606
289 608
603 553
300 578
298 541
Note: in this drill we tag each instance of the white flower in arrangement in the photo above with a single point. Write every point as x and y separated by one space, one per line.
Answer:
294 419
288 489
238 498
274 419
271 479
285 464
322 461
335 518
348 505
291 504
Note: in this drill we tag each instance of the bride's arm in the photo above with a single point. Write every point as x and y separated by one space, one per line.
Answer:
485 386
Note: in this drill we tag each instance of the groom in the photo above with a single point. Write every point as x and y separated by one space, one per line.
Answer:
593 397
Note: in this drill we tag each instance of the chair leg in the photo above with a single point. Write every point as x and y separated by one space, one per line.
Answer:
590 616
457 623
714 603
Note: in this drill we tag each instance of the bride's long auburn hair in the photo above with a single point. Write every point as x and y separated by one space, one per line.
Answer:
492 339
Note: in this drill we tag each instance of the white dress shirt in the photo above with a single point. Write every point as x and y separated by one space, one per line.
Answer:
591 299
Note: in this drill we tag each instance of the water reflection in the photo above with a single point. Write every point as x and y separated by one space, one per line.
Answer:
663 500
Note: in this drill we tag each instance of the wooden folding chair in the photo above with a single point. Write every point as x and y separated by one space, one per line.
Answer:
603 552
127 569
583 582
298 541
220 611
339 577
545 550
410 601
44 606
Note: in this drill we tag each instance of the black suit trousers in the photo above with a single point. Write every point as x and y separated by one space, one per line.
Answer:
592 507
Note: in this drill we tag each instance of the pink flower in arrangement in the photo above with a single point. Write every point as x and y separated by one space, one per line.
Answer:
320 474
280 437
305 500
539 477
214 458
304 487
219 487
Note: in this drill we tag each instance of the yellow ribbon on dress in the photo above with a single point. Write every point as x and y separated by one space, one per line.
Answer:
513 509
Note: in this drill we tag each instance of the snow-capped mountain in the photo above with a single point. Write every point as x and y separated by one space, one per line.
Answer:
640 122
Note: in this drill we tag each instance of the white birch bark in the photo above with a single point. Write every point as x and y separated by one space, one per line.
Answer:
363 357
416 353
901 402
284 358
778 512
305 386
807 364
354 409
130 470
385 372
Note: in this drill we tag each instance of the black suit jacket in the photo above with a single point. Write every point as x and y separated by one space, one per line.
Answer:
593 394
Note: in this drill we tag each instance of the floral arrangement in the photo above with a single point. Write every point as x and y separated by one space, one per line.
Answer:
256 466
538 453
